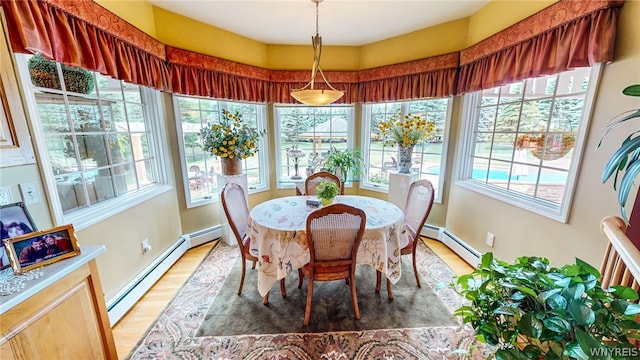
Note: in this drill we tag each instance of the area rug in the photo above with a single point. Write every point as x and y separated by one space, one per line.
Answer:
331 308
174 335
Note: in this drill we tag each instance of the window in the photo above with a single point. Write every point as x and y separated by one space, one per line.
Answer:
96 138
523 140
429 157
304 135
200 169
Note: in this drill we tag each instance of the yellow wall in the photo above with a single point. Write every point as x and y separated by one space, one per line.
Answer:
467 214
499 15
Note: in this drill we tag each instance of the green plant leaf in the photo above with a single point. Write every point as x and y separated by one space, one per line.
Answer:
588 345
632 309
626 184
575 291
532 352
581 313
586 267
632 90
487 259
624 292
557 301
557 324
575 352
530 326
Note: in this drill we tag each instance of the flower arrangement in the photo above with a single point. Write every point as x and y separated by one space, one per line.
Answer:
231 138
407 131
327 191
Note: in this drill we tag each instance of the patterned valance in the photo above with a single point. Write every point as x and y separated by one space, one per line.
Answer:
424 78
84 34
565 35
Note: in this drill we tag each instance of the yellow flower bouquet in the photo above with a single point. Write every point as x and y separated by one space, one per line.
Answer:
231 138
409 131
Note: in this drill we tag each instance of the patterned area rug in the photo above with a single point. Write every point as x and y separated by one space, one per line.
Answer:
173 335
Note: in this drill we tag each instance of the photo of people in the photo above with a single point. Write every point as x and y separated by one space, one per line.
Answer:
14 221
41 248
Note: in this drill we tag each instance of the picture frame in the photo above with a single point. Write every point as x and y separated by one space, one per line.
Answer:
15 220
40 248
15 139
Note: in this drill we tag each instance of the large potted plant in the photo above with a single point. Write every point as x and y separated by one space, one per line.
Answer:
232 140
344 162
624 165
530 310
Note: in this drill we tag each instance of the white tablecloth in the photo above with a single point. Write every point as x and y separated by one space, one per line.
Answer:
278 236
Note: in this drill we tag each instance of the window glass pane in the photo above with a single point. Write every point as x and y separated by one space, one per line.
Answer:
529 151
305 136
194 113
427 159
92 138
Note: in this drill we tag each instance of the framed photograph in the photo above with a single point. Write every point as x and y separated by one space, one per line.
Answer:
41 248
14 221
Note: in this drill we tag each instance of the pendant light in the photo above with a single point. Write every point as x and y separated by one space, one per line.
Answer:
308 95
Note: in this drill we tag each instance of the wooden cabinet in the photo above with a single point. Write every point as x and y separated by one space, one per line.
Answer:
66 319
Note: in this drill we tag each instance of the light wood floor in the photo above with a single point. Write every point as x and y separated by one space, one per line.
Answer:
133 325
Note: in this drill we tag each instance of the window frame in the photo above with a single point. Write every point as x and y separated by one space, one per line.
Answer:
281 183
262 154
366 143
470 118
100 211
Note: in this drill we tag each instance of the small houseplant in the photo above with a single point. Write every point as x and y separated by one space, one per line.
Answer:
626 159
231 139
344 162
530 310
327 191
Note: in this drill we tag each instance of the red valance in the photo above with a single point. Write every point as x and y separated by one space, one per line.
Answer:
82 33
419 79
203 75
566 35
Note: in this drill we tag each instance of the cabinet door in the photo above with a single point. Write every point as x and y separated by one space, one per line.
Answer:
69 330
5 352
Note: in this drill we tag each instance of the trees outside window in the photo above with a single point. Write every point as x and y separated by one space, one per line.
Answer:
523 139
305 135
429 157
200 169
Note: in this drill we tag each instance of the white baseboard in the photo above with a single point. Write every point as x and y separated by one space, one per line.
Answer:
124 300
457 245
204 236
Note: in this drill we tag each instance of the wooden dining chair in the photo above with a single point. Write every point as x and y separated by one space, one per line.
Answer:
313 180
417 209
334 233
235 208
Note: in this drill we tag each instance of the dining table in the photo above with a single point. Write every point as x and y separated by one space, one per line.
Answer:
277 232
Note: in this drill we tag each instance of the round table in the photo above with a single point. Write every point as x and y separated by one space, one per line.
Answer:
277 229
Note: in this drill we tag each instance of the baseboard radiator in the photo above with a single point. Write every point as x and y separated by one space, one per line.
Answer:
459 246
124 300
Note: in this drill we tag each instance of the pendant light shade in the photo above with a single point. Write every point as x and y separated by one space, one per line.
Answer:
308 95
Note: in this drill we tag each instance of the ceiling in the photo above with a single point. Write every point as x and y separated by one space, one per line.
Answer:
341 22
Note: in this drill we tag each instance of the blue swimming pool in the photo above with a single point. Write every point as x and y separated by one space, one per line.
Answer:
497 174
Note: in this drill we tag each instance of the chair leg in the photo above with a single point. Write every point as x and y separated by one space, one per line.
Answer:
242 277
265 300
307 309
389 290
415 268
300 278
378 281
254 264
354 297
283 289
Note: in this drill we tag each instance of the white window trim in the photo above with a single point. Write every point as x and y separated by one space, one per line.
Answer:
291 184
537 206
86 217
366 143
262 155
